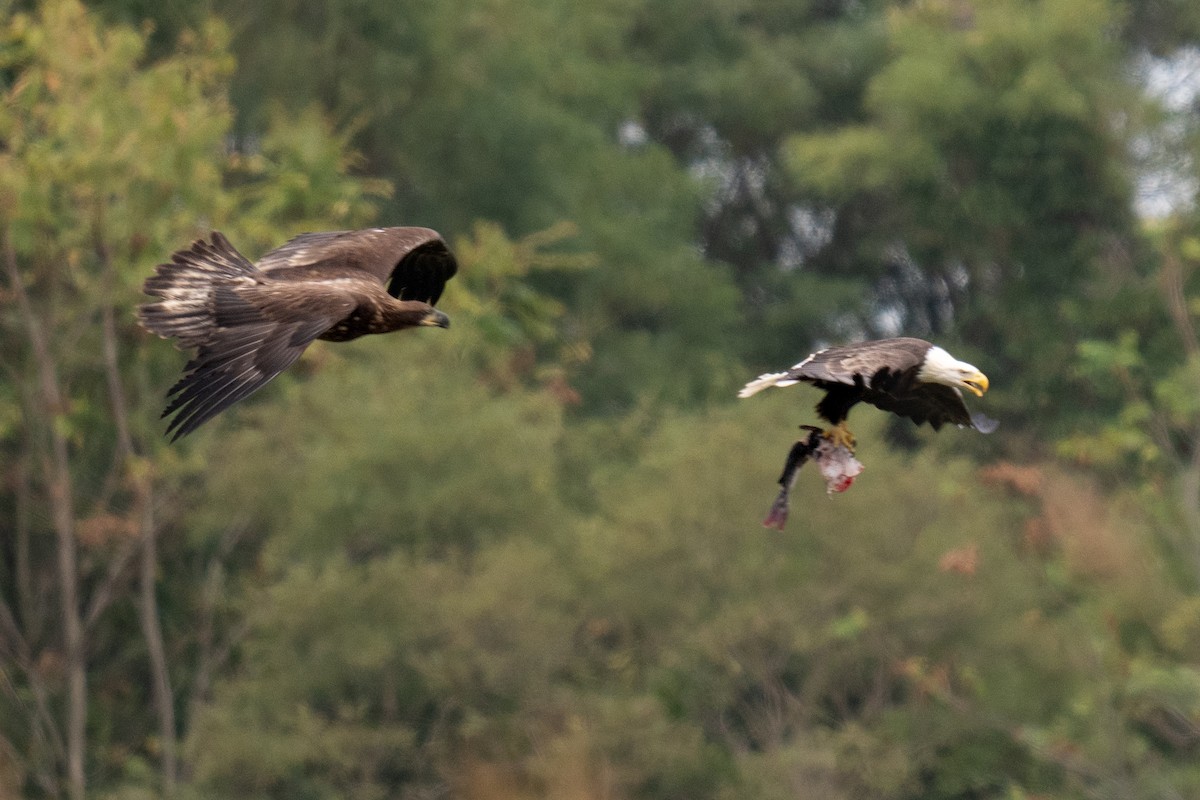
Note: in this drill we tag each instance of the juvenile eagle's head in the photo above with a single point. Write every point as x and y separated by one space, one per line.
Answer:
941 367
435 319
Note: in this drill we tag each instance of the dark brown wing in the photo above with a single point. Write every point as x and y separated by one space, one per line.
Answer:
925 402
414 263
250 343
857 364
183 288
867 371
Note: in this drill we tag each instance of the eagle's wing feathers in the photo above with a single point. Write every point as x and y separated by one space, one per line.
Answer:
858 363
414 263
306 250
250 344
422 274
983 423
930 402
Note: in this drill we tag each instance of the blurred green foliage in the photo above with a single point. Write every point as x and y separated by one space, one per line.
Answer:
521 558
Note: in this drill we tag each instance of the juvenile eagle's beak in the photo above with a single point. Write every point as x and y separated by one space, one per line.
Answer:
977 382
436 319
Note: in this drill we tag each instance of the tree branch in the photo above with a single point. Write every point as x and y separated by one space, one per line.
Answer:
1173 284
27 610
143 488
106 591
1177 306
212 656
40 720
59 484
11 640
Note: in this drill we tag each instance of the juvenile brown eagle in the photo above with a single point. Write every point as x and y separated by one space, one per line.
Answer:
249 322
908 377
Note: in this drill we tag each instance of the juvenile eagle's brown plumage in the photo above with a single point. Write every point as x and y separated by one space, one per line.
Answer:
249 322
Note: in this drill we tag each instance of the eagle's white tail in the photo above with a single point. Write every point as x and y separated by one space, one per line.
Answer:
186 285
764 382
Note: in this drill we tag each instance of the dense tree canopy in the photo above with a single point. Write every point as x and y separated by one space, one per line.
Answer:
523 559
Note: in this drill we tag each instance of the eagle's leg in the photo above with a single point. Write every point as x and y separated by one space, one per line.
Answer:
840 435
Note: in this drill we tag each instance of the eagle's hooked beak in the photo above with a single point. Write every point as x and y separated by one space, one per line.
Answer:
436 319
977 382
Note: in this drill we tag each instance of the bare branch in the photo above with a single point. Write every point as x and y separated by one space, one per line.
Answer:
59 484
39 719
211 656
11 640
112 374
148 565
43 727
1173 280
164 700
28 610
1173 290
106 591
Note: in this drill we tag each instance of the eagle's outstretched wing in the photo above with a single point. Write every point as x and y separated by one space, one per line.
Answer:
856 364
245 332
926 402
414 263
236 360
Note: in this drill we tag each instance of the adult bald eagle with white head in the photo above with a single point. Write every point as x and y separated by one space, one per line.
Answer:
908 377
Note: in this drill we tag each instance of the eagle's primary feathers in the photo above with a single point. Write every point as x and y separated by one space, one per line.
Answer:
249 321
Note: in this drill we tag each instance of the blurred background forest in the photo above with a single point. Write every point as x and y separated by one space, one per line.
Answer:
522 558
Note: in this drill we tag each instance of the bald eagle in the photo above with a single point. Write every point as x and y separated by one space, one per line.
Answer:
908 377
249 322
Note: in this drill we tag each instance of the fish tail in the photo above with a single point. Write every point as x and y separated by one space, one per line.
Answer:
777 517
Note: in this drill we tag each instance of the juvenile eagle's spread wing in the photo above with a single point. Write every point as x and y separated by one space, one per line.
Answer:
245 332
236 361
248 322
414 263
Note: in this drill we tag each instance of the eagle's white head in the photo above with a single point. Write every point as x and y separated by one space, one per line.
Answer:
941 367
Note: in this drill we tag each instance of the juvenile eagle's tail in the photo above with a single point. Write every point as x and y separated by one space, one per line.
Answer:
765 382
186 287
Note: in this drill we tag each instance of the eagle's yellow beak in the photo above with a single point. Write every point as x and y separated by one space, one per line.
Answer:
977 383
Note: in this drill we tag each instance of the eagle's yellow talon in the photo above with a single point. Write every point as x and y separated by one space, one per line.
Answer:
841 435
